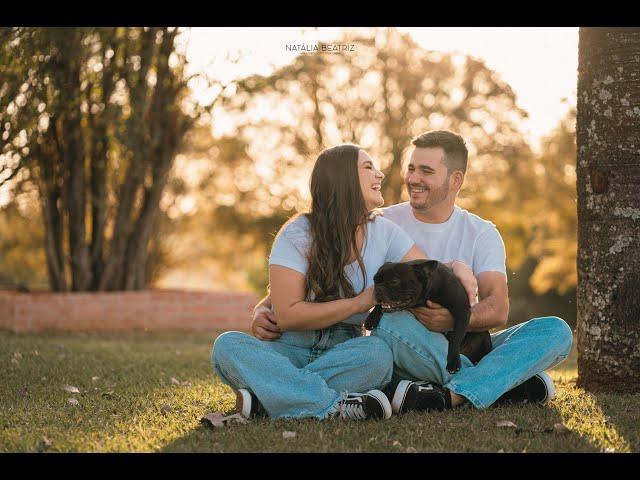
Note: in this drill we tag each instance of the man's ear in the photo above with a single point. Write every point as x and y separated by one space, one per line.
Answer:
456 180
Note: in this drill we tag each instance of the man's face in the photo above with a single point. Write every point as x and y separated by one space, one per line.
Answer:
426 178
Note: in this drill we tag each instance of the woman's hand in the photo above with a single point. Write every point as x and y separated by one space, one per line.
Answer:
469 282
366 300
264 326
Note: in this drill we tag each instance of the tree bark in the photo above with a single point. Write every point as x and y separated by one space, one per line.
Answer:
113 275
608 184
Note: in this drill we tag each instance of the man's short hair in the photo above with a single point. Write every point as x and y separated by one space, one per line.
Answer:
455 151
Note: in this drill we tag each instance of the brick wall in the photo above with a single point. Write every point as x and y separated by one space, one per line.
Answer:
150 310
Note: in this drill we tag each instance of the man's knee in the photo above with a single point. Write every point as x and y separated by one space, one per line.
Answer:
399 325
559 331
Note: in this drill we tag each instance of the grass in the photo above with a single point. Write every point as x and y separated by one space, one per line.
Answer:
135 406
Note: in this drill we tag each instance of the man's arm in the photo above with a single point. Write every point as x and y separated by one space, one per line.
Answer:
493 308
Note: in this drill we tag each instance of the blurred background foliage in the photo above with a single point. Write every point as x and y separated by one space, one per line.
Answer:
227 195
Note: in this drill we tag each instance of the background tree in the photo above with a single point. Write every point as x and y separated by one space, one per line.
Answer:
94 117
608 175
390 90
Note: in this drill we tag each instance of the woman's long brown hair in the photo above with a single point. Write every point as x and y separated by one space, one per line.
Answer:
338 208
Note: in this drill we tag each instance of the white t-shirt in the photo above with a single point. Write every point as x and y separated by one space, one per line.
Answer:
464 236
385 242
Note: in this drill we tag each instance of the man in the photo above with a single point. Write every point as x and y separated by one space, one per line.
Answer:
514 369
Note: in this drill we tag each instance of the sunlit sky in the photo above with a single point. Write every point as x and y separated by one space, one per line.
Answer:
540 64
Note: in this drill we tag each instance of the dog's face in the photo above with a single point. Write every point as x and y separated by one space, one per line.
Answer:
398 286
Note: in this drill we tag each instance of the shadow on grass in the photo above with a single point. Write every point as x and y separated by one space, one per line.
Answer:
464 430
162 385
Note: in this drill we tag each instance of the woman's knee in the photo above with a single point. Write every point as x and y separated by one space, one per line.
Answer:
379 358
224 345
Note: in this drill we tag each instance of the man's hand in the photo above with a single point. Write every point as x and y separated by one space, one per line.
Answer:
264 326
468 280
435 317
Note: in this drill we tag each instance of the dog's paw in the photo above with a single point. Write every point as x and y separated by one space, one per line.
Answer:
453 365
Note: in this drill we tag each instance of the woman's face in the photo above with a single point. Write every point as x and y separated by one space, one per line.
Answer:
370 181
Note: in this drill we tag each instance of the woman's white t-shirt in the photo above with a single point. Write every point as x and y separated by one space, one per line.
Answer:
385 242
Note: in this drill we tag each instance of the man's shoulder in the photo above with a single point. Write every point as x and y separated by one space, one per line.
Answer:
478 224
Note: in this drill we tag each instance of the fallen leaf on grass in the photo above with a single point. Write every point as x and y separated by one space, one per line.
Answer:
561 429
70 389
287 434
94 379
216 419
396 443
506 424
43 445
177 382
73 401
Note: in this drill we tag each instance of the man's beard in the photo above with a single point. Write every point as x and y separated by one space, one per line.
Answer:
433 196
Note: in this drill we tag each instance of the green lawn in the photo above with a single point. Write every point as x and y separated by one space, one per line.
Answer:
134 406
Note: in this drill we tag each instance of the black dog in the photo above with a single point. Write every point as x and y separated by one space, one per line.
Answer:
399 286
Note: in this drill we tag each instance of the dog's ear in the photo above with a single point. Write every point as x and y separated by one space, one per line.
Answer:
427 274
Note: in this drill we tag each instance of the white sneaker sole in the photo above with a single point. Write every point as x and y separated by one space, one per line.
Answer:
246 403
384 401
548 382
399 395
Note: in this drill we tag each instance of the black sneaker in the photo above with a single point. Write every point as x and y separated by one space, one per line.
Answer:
538 389
362 406
420 396
248 405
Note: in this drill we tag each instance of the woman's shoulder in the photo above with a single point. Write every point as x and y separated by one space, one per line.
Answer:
297 226
380 225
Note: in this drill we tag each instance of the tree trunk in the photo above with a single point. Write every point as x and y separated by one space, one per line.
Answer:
608 183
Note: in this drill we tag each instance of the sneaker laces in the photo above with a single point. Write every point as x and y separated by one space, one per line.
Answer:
352 407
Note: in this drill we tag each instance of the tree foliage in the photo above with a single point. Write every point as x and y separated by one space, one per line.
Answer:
94 117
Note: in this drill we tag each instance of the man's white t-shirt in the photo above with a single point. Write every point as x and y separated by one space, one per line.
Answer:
464 236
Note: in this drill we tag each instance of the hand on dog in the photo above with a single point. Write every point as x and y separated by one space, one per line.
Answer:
435 317
264 326
468 280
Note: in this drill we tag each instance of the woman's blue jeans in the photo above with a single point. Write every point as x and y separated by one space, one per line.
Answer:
304 373
518 353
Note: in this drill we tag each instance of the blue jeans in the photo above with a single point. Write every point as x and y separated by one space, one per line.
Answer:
518 353
303 373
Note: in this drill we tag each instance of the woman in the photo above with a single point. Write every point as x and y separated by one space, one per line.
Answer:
318 263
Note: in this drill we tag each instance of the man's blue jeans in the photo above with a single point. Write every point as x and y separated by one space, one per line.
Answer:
303 374
518 353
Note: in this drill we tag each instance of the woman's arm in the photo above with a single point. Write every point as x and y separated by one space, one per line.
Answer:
293 313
